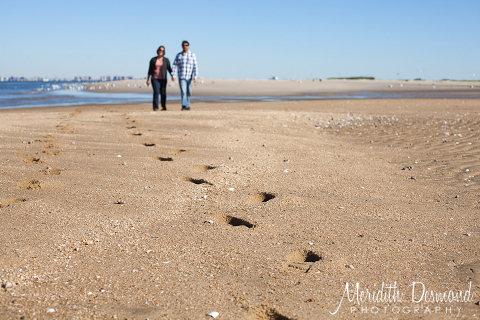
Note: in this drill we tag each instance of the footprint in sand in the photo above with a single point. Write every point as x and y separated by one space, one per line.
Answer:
30 184
51 152
204 168
74 113
34 160
197 181
163 158
302 260
136 134
175 152
264 312
234 221
148 144
65 128
132 127
261 197
7 202
51 171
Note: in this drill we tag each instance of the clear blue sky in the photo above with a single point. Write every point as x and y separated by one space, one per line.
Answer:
244 39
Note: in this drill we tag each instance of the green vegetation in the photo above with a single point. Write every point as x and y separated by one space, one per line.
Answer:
460 80
352 78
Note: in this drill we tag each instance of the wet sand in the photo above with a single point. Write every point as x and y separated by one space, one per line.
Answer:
258 210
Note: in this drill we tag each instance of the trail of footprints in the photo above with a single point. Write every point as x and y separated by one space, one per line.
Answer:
299 260
50 149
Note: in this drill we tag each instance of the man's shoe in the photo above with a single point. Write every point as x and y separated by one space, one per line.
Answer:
184 108
164 109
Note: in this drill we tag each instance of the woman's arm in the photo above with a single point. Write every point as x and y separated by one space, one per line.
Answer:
150 71
169 68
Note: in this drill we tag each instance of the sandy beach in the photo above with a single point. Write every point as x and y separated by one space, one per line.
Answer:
292 88
254 210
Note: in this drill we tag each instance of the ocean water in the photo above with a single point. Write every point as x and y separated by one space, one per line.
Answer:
46 94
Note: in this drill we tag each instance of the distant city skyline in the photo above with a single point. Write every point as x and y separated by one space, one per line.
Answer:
77 78
306 39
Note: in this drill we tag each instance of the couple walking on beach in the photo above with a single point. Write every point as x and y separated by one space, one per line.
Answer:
185 64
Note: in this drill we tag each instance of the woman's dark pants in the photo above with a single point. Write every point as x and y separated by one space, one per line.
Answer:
159 87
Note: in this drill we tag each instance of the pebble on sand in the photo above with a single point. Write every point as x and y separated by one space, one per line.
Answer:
50 310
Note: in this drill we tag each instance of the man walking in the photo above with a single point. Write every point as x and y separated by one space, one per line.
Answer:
186 65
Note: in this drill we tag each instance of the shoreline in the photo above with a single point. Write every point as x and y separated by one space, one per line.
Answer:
221 91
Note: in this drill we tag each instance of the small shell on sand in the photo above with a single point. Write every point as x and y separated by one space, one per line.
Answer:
213 314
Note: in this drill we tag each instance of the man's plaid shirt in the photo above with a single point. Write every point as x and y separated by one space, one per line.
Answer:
186 65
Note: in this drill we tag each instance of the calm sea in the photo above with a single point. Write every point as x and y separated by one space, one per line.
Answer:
47 94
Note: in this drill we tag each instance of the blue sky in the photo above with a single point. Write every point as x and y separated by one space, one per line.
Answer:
244 39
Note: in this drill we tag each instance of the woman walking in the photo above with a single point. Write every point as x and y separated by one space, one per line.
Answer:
157 70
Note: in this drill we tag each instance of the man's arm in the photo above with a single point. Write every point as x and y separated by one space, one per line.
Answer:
195 68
